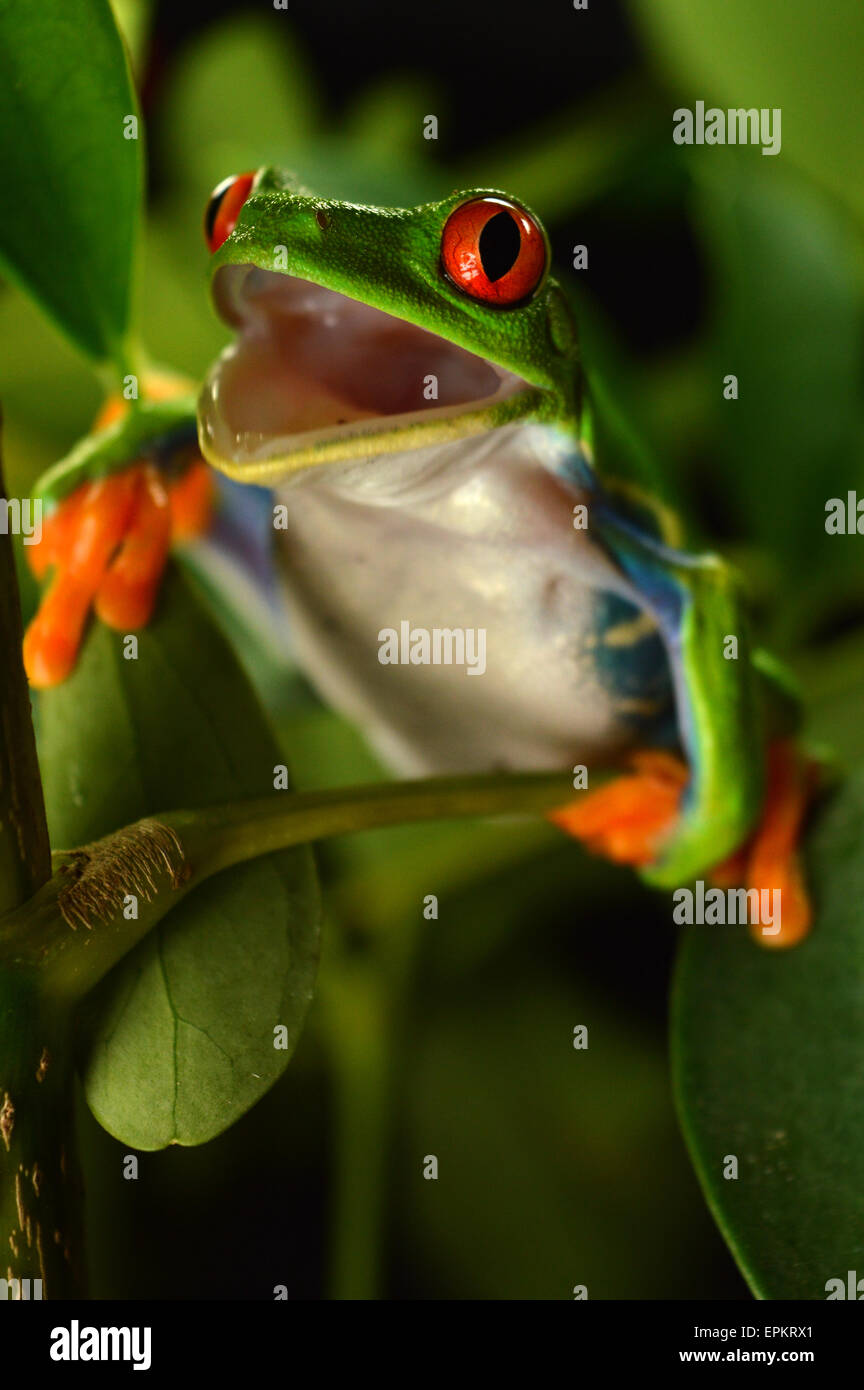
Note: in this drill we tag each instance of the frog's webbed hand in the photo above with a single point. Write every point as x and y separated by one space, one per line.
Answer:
106 544
675 820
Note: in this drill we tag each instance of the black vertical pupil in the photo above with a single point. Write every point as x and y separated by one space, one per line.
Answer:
212 210
215 204
499 245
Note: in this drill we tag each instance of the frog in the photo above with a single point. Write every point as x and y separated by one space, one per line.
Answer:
409 384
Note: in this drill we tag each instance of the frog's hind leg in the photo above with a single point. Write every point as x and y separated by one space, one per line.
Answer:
628 819
741 799
694 600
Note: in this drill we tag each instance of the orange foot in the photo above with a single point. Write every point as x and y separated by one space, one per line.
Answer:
628 820
770 859
108 545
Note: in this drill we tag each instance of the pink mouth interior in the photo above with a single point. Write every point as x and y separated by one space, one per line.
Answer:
307 358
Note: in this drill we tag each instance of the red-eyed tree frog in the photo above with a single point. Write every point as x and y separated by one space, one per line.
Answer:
408 381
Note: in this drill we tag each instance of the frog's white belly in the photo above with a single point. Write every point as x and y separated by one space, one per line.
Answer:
476 535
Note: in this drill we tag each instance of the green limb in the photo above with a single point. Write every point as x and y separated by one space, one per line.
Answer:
719 697
145 430
721 719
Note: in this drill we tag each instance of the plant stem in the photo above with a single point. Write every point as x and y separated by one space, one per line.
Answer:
224 835
40 1193
196 844
25 858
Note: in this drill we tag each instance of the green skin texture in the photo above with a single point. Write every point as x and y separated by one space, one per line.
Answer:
389 258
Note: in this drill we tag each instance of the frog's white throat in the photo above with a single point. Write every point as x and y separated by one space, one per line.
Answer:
310 365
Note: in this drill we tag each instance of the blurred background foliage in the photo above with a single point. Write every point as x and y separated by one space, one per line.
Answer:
454 1037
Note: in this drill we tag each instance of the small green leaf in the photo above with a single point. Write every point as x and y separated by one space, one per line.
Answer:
767 1055
183 1042
70 178
180 1038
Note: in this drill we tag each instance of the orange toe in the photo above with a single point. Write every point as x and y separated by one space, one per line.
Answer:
627 820
192 499
127 593
83 547
769 860
101 525
58 531
796 913
773 859
51 641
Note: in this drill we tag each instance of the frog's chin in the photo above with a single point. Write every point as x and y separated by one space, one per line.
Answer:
315 377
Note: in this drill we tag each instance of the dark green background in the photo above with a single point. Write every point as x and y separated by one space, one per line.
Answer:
454 1037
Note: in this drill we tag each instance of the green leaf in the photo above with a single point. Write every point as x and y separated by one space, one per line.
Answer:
71 181
781 257
180 1038
792 54
767 1056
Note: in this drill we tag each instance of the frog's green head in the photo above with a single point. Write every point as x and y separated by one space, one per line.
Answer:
364 330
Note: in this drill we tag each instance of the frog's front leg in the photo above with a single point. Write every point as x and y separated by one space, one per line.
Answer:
718 813
106 544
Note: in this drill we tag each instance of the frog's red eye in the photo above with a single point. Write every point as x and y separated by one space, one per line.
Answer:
224 206
494 251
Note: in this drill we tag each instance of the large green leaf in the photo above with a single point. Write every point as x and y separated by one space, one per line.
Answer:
70 178
180 1039
768 1058
782 258
792 54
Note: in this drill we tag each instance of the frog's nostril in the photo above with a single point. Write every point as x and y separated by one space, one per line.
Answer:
322 218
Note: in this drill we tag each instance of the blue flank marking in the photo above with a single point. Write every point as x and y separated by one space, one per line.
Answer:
639 670
644 559
575 468
646 562
650 669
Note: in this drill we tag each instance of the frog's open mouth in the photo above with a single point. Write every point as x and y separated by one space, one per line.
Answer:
312 371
